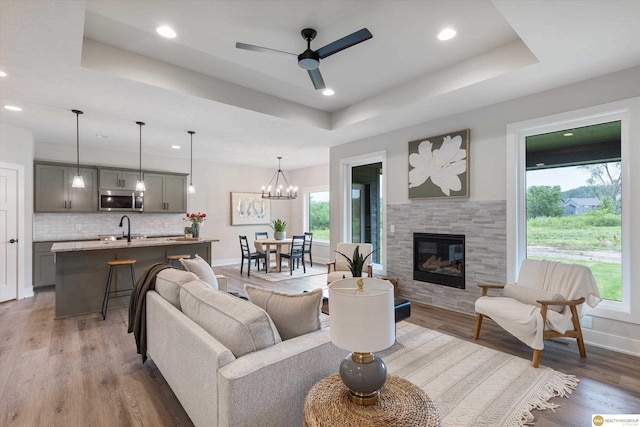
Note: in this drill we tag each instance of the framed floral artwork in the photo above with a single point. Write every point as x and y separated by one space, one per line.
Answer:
249 209
439 166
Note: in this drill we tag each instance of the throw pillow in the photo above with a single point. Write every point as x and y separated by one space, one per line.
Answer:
528 295
240 326
293 314
202 269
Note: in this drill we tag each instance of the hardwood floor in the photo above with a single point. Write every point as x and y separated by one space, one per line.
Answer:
84 371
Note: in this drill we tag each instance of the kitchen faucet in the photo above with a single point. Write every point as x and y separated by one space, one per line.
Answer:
128 227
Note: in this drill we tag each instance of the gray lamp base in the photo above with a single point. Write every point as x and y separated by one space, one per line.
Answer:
363 374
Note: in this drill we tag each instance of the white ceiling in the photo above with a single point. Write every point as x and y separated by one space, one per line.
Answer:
104 57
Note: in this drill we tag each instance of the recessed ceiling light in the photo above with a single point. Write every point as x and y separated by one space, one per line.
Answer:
568 134
328 92
447 34
101 136
166 31
12 108
176 147
3 74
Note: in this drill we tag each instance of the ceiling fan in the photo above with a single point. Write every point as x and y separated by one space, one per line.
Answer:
310 59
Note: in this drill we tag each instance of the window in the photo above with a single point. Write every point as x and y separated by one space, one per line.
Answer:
617 300
574 200
573 220
318 218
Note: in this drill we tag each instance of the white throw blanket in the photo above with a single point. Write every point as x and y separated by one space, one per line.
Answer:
524 321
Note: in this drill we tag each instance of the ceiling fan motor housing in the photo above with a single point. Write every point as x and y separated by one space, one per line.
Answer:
309 60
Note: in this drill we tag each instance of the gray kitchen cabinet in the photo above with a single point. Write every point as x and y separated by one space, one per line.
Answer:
114 179
165 193
53 191
44 265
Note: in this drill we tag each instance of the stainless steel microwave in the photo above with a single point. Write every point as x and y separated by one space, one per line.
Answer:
121 200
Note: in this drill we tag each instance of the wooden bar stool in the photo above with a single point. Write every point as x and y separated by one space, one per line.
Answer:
172 258
113 266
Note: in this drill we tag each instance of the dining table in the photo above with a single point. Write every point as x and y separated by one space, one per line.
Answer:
278 243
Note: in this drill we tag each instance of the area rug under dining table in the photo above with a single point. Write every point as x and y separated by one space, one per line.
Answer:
473 385
274 276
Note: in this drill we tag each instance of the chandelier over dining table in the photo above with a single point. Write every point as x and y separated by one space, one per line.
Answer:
279 187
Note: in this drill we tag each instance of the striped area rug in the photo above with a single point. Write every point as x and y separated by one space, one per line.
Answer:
473 385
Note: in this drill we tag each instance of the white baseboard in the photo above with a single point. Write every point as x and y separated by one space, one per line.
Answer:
612 342
26 293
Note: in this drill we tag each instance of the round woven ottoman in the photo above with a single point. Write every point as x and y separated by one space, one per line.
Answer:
401 404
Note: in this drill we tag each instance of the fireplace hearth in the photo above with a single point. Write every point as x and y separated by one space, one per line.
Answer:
439 259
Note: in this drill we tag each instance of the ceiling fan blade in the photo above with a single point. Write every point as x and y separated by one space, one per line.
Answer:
264 49
345 42
316 78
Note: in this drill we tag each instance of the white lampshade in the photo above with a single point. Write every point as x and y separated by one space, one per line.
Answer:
362 320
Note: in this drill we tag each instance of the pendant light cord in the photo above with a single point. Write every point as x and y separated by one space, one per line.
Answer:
77 113
191 189
78 142
140 155
140 151
191 164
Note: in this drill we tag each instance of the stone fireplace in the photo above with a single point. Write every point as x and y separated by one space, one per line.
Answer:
439 259
483 224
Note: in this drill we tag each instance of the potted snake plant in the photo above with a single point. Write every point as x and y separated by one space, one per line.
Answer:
356 262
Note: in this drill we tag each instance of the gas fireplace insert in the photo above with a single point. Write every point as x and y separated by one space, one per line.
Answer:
439 259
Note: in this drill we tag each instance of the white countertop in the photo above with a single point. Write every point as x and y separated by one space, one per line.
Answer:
115 244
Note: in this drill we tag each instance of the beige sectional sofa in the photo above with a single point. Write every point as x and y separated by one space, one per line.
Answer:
223 356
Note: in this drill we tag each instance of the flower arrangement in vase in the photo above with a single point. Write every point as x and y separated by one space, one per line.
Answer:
196 219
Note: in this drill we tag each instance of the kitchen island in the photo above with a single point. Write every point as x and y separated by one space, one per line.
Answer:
81 268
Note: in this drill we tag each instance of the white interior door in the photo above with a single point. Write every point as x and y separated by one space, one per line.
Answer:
8 234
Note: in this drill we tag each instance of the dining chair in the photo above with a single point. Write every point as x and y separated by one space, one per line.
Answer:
296 253
307 247
249 256
262 235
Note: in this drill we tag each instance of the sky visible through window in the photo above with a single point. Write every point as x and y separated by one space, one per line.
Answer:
566 177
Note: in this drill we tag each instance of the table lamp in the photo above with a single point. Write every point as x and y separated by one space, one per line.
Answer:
362 321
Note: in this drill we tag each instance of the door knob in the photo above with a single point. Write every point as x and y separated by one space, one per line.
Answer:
13 241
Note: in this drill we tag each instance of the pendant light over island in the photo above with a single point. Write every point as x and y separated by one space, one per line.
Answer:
78 182
140 184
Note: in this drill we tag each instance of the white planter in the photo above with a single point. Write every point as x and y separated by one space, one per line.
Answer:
280 235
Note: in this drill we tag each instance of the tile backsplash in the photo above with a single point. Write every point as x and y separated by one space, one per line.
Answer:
80 226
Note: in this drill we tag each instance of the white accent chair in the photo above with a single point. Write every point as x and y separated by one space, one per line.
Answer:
547 302
341 265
